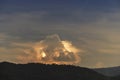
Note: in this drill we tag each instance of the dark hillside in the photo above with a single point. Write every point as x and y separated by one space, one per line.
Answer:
33 71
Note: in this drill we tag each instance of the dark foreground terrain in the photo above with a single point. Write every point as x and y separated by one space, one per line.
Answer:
32 71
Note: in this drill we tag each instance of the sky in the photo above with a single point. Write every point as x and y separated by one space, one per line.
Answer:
92 26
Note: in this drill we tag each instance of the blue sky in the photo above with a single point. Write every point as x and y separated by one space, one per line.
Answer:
91 25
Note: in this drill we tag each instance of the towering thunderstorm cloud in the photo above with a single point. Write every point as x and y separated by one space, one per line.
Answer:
52 50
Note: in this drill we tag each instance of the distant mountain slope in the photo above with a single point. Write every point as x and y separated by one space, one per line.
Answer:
116 78
113 71
32 71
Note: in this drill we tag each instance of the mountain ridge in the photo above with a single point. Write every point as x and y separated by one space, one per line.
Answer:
110 71
35 71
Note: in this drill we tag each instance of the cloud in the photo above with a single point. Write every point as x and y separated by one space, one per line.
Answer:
94 32
51 50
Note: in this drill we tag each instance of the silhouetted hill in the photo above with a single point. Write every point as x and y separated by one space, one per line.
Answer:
34 71
115 78
112 71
